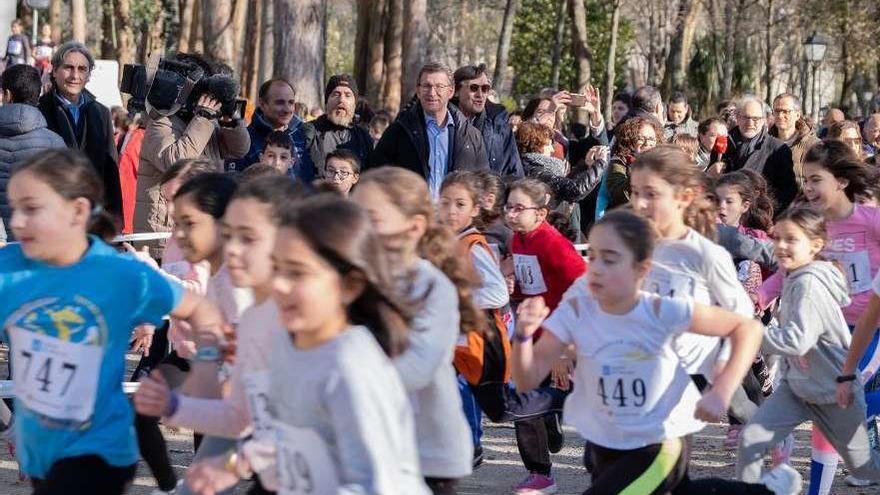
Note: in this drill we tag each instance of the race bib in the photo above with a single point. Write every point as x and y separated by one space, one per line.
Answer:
669 284
528 274
55 378
256 385
627 387
14 48
304 463
857 267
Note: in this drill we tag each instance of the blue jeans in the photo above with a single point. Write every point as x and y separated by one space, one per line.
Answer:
472 410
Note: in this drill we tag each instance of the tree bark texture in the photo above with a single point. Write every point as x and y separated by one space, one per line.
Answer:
298 47
503 52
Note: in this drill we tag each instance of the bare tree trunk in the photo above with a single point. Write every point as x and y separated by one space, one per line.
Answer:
124 33
582 53
361 42
186 21
250 66
197 36
267 41
239 31
108 31
375 52
612 56
298 47
557 42
675 76
768 53
78 20
464 8
393 57
55 20
218 30
729 43
503 51
415 35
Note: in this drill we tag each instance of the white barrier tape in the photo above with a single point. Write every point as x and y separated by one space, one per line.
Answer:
7 389
140 237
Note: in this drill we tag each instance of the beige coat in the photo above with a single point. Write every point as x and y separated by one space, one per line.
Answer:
169 139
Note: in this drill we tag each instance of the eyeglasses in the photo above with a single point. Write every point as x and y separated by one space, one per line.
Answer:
783 111
339 174
646 140
428 88
517 209
852 141
746 118
476 87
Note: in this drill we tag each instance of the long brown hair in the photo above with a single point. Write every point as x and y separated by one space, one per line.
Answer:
340 232
409 193
674 166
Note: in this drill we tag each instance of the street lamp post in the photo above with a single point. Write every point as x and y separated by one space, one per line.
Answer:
814 50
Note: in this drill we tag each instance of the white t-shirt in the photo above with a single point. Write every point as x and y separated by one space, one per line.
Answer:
632 390
698 268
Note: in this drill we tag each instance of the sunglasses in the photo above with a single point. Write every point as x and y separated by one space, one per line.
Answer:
477 87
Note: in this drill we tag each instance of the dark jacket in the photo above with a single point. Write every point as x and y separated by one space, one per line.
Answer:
93 135
329 137
22 134
803 139
769 157
301 133
405 144
566 187
499 141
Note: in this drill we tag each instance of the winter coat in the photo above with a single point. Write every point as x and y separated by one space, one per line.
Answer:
687 126
804 138
405 144
23 133
169 139
330 137
499 141
301 133
93 135
769 157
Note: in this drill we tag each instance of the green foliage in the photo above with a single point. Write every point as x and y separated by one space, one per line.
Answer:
531 53
341 28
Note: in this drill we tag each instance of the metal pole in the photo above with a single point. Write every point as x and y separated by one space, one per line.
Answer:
35 26
813 94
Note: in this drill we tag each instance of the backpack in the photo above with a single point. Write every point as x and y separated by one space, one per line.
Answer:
483 359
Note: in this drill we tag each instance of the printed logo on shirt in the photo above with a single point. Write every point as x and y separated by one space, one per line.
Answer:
57 349
304 463
528 274
669 284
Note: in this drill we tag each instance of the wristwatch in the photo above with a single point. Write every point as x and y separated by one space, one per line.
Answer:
208 353
846 378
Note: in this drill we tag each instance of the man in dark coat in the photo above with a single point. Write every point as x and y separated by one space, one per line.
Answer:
335 129
432 137
751 146
472 88
84 124
23 130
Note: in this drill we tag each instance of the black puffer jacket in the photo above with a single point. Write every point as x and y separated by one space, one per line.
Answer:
330 137
405 144
23 133
93 135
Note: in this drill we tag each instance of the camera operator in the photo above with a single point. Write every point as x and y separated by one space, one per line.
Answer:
72 112
205 127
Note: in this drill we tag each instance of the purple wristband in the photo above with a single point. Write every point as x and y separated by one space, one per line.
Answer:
522 339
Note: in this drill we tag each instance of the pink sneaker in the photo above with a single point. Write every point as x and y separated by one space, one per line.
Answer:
536 484
731 442
781 453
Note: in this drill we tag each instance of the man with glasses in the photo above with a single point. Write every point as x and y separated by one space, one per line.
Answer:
336 128
751 146
431 137
871 135
791 128
472 88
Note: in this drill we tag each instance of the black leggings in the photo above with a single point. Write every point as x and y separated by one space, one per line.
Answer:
656 469
84 475
152 444
442 486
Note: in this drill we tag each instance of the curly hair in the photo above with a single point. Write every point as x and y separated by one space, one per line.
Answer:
627 135
532 137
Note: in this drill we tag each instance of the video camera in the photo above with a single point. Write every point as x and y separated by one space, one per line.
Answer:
170 85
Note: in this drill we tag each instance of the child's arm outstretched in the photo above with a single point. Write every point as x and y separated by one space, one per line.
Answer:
531 362
861 339
744 335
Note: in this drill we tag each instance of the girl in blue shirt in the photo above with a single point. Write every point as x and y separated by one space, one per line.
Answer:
69 302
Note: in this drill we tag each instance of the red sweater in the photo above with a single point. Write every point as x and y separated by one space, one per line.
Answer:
128 172
546 264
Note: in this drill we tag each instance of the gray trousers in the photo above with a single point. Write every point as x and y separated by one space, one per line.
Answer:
782 412
210 447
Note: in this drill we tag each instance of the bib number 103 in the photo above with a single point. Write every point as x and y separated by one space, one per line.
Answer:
620 392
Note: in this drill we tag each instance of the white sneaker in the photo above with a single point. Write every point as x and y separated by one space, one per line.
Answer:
783 480
853 481
170 492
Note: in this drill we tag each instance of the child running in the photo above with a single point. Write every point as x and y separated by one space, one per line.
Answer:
812 336
438 283
341 415
545 264
634 401
249 231
69 335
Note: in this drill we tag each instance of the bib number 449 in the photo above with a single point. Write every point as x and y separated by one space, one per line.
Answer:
621 392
